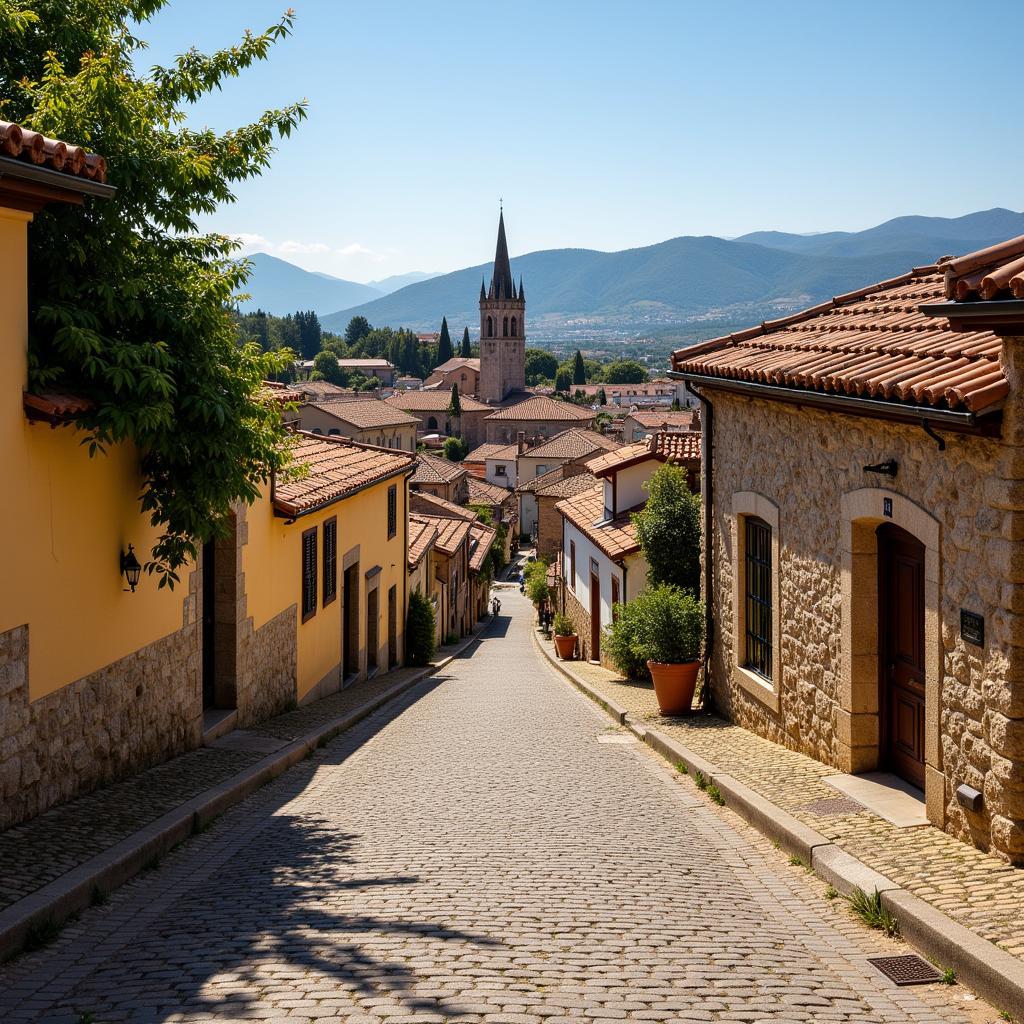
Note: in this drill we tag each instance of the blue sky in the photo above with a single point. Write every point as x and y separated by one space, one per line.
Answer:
607 125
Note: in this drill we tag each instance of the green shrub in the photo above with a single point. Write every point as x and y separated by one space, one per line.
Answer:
562 625
662 624
668 530
420 630
536 575
620 643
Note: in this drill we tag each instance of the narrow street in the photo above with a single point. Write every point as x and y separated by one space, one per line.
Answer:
487 848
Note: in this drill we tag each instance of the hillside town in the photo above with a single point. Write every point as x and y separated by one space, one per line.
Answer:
331 691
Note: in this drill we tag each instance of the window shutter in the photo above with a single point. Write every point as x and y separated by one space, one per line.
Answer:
308 574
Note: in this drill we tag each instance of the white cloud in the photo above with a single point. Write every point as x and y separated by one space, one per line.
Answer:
252 242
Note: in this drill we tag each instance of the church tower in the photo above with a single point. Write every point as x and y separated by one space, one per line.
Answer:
502 329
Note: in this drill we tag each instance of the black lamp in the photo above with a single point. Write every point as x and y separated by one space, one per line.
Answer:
130 568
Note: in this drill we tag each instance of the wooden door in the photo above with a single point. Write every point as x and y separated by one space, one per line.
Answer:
595 617
901 653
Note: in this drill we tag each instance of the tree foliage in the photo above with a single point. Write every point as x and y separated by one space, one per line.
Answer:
357 329
563 380
444 344
420 630
540 365
129 303
625 371
668 530
325 367
579 371
455 449
467 346
455 403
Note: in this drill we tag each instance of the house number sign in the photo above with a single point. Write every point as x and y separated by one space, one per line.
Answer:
887 507
972 627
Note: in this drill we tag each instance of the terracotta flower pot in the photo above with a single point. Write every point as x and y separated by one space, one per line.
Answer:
674 685
566 646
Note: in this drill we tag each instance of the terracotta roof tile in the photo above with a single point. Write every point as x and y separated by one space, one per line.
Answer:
489 450
432 401
31 147
278 392
567 487
654 418
336 468
573 443
54 406
679 446
366 415
432 469
872 343
450 532
457 362
422 533
483 493
993 273
615 537
432 505
482 537
540 407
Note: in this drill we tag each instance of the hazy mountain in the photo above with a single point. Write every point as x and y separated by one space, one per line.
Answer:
692 277
387 285
279 287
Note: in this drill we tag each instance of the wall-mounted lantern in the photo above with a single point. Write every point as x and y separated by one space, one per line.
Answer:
130 568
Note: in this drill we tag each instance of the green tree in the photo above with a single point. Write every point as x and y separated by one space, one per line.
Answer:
129 302
602 398
357 329
455 405
467 346
625 371
668 530
563 381
255 327
540 365
325 367
455 449
307 325
444 345
579 371
420 630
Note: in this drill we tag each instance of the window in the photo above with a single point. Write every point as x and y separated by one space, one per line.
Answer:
490 328
499 470
432 423
541 470
309 574
330 560
572 565
758 595
513 327
392 511
504 328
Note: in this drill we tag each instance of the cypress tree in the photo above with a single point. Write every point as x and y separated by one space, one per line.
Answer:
444 346
579 371
455 406
467 348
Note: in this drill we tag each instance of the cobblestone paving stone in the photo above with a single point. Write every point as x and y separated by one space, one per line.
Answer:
43 849
978 890
473 853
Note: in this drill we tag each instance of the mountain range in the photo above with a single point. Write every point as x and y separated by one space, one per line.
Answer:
676 282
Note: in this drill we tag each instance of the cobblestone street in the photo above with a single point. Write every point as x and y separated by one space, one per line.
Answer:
486 848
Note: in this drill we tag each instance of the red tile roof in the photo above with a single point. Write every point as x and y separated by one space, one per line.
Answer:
615 537
432 505
993 273
334 469
482 537
422 533
682 447
490 450
873 343
54 407
573 443
275 391
483 493
432 401
654 418
31 147
566 487
450 532
433 469
366 415
542 408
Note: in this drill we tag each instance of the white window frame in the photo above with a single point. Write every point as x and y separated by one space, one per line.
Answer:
749 504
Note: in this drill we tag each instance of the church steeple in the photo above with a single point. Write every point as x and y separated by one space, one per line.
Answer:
502 286
502 328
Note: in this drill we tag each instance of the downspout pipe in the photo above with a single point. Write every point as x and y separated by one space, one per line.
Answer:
708 451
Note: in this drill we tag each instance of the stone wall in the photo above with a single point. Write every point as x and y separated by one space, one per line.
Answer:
131 714
580 618
804 462
549 526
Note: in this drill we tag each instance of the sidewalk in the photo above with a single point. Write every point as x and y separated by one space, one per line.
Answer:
56 864
782 793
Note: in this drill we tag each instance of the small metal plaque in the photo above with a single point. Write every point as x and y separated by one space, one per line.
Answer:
887 507
972 627
906 970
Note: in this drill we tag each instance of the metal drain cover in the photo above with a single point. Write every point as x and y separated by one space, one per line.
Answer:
906 970
616 737
830 807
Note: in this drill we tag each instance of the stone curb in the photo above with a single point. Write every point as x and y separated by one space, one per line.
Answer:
73 891
997 976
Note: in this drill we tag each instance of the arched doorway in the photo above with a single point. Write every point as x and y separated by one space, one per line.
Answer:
901 649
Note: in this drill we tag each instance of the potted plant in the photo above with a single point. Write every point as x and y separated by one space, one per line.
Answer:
670 633
565 636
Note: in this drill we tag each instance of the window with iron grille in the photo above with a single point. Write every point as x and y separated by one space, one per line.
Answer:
309 574
758 596
330 560
392 511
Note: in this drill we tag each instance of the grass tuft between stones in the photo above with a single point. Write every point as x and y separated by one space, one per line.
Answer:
870 910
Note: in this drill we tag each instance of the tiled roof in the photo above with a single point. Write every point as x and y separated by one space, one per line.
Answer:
678 446
554 573
872 343
654 418
531 486
320 389
432 401
615 537
482 539
457 362
567 486
432 469
54 406
573 443
489 450
366 364
450 532
432 505
989 274
422 533
365 415
683 446
336 468
483 493
31 147
540 407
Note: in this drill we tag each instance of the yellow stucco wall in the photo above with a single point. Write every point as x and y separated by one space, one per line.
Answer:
64 519
272 562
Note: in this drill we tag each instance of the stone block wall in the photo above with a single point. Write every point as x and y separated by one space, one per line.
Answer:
129 715
804 462
549 526
580 618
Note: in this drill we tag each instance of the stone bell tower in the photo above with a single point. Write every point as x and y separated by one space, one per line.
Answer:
502 329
